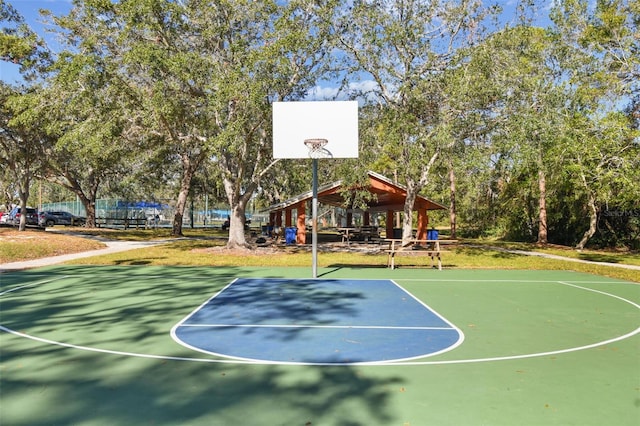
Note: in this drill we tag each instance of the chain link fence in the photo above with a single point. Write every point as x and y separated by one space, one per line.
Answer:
155 213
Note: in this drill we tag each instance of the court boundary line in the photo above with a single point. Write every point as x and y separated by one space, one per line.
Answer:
394 364
35 284
429 280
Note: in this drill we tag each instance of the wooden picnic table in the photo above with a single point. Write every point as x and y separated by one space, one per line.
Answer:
345 232
429 248
368 233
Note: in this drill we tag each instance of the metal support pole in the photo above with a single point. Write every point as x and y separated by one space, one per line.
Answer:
314 220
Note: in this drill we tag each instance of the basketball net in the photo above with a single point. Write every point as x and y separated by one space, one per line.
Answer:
317 149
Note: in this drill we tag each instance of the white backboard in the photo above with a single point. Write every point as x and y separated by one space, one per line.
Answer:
295 122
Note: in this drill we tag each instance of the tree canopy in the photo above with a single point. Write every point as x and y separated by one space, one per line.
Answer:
528 131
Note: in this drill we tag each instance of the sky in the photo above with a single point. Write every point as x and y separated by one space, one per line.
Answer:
29 10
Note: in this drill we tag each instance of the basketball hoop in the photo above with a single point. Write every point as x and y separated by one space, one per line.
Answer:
317 149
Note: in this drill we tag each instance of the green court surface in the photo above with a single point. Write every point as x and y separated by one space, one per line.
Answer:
92 346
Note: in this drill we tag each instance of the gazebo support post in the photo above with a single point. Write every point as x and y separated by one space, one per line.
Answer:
423 223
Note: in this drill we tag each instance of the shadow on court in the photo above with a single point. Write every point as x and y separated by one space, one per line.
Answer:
108 312
59 387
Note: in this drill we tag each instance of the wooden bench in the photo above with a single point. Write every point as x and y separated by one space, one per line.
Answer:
414 247
119 221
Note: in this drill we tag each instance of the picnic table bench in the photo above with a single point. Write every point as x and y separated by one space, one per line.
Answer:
415 247
119 221
365 233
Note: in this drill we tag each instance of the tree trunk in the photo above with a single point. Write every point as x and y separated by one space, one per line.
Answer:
189 167
23 211
238 204
89 203
593 222
542 225
407 219
176 227
236 228
397 216
23 193
87 198
90 209
452 205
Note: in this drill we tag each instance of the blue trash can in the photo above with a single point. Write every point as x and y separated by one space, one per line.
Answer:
432 234
290 235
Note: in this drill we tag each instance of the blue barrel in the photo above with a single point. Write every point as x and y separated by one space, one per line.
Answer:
432 234
290 235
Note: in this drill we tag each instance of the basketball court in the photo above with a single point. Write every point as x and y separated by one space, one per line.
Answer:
260 346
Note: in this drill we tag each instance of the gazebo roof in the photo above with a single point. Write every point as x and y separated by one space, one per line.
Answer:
389 196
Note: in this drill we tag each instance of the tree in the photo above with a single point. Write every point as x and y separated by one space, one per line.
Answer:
83 116
600 49
22 148
407 48
20 45
528 108
202 77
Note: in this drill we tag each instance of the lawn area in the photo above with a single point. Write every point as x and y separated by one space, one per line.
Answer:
34 244
205 247
610 256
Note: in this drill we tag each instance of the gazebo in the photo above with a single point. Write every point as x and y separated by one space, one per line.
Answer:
389 198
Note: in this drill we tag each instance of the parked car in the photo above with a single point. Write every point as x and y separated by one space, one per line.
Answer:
51 218
14 216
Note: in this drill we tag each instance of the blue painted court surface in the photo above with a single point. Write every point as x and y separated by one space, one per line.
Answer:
316 321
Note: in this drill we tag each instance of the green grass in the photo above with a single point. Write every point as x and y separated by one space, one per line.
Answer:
611 256
209 253
34 244
203 247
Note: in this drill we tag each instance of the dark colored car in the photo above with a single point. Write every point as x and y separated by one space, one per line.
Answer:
51 218
14 216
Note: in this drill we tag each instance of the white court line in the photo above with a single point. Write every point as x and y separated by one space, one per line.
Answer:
430 280
394 364
435 280
549 353
37 283
373 327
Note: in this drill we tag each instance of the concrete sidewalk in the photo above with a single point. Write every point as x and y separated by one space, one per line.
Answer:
112 247
556 257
